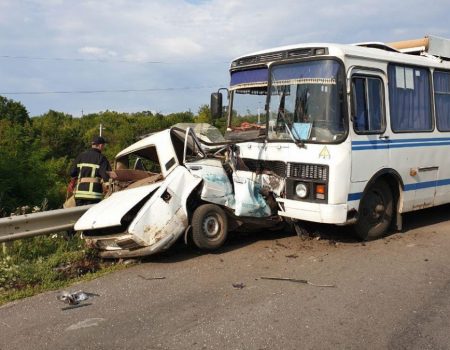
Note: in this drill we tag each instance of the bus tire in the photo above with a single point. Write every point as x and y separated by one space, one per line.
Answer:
375 212
209 227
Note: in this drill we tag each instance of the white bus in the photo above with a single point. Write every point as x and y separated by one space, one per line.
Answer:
360 133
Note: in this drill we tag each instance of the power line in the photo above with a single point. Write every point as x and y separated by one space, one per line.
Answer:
74 59
107 91
103 60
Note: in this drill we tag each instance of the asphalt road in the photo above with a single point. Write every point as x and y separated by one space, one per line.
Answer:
392 293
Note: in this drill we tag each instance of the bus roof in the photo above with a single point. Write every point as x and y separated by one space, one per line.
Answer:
419 55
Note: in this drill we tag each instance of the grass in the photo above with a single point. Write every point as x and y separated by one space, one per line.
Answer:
39 264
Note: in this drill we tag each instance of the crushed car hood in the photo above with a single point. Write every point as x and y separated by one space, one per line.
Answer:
109 212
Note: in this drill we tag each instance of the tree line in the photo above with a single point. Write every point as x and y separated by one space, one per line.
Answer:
36 153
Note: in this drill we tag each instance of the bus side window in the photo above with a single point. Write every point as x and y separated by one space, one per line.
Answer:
409 99
442 98
368 110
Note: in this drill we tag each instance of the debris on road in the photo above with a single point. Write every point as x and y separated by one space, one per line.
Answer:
281 244
298 281
128 261
333 243
292 256
238 285
75 298
152 278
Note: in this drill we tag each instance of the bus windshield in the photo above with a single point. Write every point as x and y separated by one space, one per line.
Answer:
249 94
306 102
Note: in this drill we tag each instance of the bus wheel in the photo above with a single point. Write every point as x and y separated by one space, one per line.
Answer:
209 227
375 212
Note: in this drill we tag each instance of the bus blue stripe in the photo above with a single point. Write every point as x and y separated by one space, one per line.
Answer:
385 146
354 196
359 148
443 182
430 139
420 185
435 139
399 143
409 187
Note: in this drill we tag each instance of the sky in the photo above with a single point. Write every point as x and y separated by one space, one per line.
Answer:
167 56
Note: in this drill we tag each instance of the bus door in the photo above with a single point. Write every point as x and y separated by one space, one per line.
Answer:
370 139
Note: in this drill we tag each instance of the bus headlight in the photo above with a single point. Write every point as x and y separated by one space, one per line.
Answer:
301 190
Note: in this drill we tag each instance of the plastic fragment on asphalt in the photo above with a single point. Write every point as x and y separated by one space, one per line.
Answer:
74 299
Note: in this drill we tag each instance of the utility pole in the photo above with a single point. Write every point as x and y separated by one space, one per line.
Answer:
100 129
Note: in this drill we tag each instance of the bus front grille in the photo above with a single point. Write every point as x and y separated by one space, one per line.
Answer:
308 171
264 166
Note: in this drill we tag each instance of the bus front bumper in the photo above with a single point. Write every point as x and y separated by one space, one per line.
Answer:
315 212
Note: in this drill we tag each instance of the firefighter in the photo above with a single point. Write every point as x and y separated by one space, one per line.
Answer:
88 171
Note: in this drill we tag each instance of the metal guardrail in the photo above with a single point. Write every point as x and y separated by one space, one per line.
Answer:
42 223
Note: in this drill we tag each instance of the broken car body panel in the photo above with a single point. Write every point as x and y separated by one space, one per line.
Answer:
165 213
217 187
109 212
141 218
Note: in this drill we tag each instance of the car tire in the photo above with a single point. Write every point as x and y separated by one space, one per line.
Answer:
209 227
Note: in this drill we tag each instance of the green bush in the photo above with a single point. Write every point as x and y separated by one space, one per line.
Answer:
41 263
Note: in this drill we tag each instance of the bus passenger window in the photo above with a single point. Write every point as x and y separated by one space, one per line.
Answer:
409 98
368 110
442 98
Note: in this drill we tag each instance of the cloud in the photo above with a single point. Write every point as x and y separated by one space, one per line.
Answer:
97 51
181 46
193 41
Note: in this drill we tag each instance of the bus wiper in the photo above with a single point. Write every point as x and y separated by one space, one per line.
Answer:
298 141
281 116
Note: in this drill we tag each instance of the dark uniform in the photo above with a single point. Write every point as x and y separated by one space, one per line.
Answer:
90 168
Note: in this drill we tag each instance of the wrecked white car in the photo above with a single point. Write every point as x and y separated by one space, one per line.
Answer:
171 184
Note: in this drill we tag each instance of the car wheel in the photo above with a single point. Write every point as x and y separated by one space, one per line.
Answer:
209 227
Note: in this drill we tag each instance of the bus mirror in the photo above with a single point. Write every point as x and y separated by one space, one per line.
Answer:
216 105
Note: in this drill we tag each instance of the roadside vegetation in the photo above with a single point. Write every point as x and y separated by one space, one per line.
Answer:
39 264
36 154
